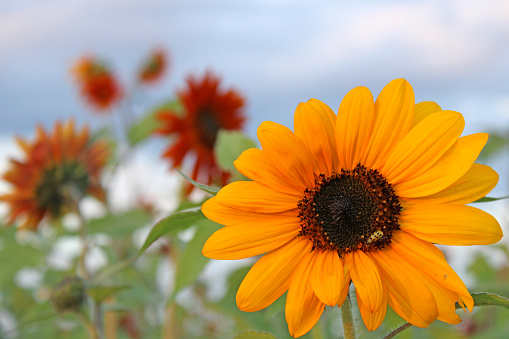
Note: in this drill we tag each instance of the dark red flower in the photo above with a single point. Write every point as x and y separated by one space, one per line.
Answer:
153 68
206 109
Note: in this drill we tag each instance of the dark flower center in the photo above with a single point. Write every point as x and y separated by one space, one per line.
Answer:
208 126
350 210
60 183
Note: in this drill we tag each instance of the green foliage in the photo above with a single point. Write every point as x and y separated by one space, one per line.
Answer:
120 225
146 126
192 261
205 188
172 225
254 335
100 293
489 299
489 199
229 146
497 143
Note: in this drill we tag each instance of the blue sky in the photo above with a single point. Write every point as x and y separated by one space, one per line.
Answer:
278 53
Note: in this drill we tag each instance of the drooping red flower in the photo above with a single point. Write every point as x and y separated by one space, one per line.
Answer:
206 110
56 167
97 83
153 68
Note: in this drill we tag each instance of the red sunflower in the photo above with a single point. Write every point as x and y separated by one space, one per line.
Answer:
206 110
97 83
56 168
153 68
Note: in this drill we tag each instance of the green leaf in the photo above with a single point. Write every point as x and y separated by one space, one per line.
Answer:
229 146
496 143
192 261
172 225
121 224
146 126
254 335
481 269
488 299
489 199
99 293
205 188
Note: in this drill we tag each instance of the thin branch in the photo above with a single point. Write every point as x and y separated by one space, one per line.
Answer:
397 331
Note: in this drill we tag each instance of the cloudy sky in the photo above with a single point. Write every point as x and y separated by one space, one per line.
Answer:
278 53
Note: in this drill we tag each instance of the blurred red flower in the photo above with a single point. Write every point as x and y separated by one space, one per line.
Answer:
57 169
154 67
97 83
206 109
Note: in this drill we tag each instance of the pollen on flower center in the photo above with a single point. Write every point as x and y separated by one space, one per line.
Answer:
351 210
208 126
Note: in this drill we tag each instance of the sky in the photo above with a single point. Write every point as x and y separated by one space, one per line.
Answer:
277 53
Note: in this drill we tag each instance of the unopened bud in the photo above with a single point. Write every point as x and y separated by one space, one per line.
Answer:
68 294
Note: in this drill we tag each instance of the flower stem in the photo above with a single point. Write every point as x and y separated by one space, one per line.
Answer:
92 331
397 331
346 315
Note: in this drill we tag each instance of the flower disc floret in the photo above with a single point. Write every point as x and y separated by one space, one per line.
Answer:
343 211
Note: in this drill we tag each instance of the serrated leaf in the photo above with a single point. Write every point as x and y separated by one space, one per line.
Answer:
488 299
172 225
192 261
229 146
254 335
489 199
147 125
205 188
121 224
99 293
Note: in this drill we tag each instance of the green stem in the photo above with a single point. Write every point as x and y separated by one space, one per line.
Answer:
346 315
397 331
92 331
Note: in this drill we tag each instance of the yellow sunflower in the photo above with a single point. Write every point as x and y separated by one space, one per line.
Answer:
359 197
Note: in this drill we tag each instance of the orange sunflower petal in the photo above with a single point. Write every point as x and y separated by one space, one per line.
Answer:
429 260
373 320
303 308
450 224
423 146
254 164
251 196
314 128
270 276
287 153
473 185
448 169
231 216
367 281
327 277
346 283
394 114
244 241
407 294
354 126
424 109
